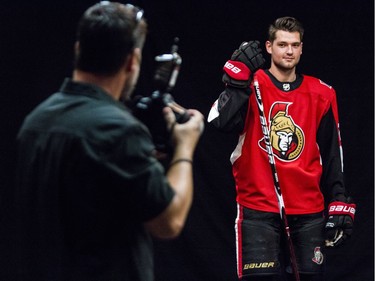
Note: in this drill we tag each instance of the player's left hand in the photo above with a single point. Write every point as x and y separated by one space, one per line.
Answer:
339 226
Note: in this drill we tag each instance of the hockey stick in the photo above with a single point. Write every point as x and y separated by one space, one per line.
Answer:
271 159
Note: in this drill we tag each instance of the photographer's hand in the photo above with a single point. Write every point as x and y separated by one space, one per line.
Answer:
184 136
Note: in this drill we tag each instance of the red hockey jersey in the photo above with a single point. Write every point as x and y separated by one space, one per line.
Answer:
302 119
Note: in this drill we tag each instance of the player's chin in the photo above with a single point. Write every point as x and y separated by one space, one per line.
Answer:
289 65
286 65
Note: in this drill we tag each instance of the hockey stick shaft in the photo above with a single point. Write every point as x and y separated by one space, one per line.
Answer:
271 160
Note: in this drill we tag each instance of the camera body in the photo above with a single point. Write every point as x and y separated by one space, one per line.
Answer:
148 109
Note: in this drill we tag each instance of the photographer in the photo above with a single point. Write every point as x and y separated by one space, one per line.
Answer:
89 190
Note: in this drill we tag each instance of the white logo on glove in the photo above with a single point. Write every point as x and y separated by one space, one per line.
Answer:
342 208
232 68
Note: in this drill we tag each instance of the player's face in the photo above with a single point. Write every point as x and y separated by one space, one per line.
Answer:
285 50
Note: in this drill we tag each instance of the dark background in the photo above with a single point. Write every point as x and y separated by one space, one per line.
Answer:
36 50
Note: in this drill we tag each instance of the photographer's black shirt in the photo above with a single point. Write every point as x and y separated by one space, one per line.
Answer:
86 182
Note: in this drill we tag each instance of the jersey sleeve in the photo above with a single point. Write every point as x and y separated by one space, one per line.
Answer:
328 139
228 112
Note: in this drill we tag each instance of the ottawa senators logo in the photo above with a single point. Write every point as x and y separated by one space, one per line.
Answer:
286 137
318 256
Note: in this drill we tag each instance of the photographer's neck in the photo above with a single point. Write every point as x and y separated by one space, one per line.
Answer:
113 85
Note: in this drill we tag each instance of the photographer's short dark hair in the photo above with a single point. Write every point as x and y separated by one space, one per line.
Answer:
107 33
288 24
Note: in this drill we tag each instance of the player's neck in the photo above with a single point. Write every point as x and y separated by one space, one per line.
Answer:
283 75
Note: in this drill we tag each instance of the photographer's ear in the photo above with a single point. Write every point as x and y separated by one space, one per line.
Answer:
133 61
76 48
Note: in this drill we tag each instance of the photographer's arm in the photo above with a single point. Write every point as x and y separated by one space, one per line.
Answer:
180 175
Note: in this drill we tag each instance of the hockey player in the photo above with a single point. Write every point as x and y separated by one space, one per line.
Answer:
302 118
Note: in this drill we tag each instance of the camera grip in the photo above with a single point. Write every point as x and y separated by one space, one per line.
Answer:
180 112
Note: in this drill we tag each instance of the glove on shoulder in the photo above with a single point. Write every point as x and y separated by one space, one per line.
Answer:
245 61
339 225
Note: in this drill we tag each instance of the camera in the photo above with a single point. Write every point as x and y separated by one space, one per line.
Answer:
148 109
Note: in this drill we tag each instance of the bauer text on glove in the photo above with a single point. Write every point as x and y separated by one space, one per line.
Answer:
339 226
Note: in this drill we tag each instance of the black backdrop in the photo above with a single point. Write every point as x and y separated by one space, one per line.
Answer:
36 49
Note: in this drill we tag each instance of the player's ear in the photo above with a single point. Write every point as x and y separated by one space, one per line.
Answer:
268 45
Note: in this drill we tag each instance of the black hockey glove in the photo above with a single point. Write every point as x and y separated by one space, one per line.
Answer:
245 61
250 54
339 226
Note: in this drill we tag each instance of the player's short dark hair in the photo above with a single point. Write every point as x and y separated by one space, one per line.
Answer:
289 24
107 33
